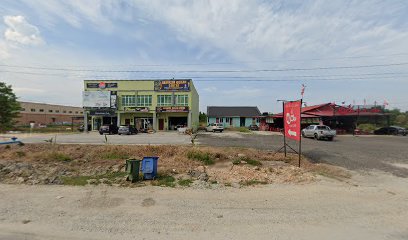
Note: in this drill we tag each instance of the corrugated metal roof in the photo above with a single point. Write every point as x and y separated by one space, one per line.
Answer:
234 111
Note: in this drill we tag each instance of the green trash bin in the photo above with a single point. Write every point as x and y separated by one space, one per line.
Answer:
132 168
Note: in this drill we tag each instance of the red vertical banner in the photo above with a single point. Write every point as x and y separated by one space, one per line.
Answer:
292 119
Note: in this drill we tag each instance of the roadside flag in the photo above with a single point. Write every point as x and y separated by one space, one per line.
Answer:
365 102
303 90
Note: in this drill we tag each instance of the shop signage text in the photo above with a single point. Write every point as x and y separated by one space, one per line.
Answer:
359 109
292 120
172 109
136 109
102 112
102 85
172 85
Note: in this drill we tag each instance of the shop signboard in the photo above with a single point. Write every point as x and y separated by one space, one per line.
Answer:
113 99
292 120
171 85
102 85
172 109
96 99
102 112
136 109
357 109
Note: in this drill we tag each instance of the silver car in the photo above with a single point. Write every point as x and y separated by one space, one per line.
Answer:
318 132
214 127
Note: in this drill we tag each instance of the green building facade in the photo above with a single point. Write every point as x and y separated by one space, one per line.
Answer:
145 104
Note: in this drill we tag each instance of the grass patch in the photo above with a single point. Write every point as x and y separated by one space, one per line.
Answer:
203 157
244 130
248 160
185 182
20 154
164 181
114 155
252 182
76 181
59 157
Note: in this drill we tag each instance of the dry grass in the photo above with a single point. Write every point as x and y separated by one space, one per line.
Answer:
81 162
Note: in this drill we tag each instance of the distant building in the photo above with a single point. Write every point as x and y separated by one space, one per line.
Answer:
42 113
240 116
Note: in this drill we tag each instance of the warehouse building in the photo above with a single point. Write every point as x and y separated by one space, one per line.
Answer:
145 104
45 114
239 116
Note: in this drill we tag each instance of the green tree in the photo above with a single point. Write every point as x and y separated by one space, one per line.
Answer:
203 117
9 107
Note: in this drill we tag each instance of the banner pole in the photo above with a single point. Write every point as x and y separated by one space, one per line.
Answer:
284 133
300 126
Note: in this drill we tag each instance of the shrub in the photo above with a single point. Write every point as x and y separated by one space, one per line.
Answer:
59 156
367 127
20 154
244 129
203 157
165 181
185 182
114 155
248 160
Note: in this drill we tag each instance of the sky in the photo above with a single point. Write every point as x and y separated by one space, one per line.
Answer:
238 52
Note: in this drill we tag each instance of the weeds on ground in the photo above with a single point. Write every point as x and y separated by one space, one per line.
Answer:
244 130
20 154
203 157
58 156
185 182
252 182
248 160
114 155
164 181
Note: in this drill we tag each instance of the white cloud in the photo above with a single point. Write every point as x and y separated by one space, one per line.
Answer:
20 31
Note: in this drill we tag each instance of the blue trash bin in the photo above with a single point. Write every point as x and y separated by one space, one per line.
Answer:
149 167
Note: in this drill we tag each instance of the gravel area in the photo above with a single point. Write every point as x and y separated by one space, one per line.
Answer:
362 153
373 207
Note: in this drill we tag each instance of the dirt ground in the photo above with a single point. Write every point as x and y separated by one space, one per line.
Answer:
204 166
365 207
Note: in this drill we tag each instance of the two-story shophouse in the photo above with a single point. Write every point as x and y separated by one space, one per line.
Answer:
146 104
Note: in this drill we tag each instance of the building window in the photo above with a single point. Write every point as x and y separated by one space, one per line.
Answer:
57 111
221 120
164 100
41 110
144 100
76 112
50 111
32 110
128 100
181 100
70 111
65 111
81 112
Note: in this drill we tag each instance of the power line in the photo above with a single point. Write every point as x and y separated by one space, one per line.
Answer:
207 71
243 62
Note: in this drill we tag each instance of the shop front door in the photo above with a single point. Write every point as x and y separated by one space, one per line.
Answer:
161 124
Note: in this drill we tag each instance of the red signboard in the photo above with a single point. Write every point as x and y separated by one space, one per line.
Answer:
292 120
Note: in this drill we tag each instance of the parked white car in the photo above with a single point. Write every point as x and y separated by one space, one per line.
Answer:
319 132
214 127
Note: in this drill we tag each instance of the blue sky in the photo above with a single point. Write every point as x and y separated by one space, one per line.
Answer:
341 50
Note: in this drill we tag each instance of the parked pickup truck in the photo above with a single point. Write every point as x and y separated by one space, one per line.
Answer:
319 132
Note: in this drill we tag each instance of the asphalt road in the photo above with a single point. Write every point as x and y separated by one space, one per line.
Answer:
362 153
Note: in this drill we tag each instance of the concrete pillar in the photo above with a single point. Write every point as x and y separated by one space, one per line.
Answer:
189 117
118 123
85 121
154 121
